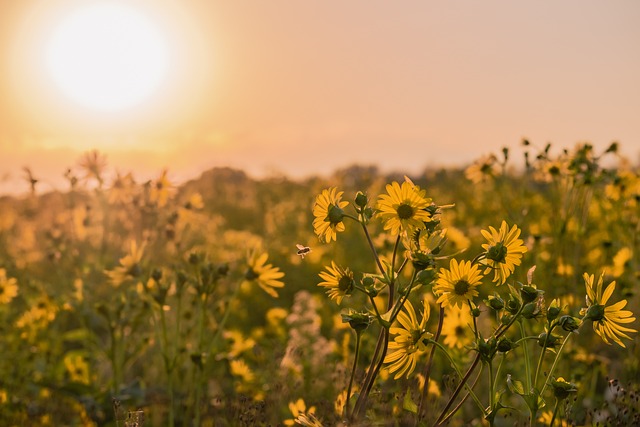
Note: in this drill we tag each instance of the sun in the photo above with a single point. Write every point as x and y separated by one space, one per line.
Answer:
107 56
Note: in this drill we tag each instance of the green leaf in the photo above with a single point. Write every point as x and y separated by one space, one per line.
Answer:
515 386
408 404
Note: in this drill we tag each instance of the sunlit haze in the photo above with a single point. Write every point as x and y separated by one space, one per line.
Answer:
101 68
307 87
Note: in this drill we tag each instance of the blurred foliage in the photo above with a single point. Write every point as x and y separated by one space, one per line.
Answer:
136 296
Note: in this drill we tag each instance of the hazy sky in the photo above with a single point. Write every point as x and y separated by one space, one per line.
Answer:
305 87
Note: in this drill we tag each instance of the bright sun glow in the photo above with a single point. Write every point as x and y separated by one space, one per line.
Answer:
107 56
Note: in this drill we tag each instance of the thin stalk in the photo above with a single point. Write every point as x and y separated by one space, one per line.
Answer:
353 372
455 367
555 413
461 385
168 366
498 334
542 352
373 249
555 362
464 398
527 368
427 369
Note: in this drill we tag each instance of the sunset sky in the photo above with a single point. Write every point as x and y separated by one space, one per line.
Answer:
302 87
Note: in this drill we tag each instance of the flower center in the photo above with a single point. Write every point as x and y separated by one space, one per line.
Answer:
497 253
596 312
251 275
345 284
461 287
335 215
404 211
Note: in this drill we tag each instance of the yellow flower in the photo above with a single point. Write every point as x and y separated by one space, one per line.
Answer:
408 345
240 369
93 164
606 320
504 251
620 261
8 287
403 208
265 275
456 327
161 190
77 367
298 408
122 189
482 169
546 417
328 213
338 281
129 267
458 284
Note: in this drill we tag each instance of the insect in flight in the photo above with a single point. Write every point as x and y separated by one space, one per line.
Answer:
302 250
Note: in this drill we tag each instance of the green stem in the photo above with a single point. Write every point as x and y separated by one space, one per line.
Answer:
461 385
427 370
542 352
555 413
168 366
353 372
455 367
373 249
527 368
555 362
464 398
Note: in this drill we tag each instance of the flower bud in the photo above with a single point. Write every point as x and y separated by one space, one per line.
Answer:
553 311
426 277
569 323
547 340
361 199
562 389
529 293
505 345
495 302
595 312
358 321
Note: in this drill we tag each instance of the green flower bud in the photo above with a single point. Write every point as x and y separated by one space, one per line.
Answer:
530 310
358 321
562 389
487 348
530 293
547 340
335 215
553 312
495 302
513 305
426 277
505 345
422 261
569 323
361 199
595 312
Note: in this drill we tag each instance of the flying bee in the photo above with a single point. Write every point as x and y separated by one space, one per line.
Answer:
302 250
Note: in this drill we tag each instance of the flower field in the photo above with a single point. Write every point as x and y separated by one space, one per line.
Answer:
502 293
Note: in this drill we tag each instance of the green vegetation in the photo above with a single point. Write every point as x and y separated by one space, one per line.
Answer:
124 302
